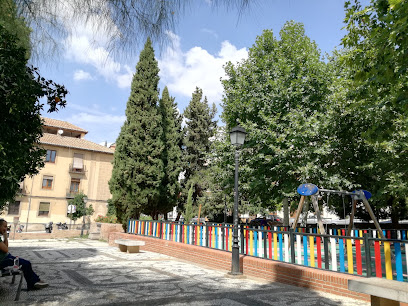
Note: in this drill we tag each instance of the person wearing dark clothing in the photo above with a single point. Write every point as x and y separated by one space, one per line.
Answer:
7 260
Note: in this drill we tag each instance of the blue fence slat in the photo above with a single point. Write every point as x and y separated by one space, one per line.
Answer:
398 261
305 261
255 243
280 248
341 253
216 237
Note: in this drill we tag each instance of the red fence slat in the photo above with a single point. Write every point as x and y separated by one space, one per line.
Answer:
378 271
358 257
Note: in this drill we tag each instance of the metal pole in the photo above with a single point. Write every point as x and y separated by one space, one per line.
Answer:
83 225
225 209
85 200
29 202
235 247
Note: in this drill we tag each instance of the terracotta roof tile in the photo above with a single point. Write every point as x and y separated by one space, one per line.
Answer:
71 142
62 125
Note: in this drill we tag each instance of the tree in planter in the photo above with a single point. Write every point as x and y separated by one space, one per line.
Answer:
81 209
138 166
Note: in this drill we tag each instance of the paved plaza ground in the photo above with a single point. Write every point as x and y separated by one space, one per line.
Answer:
89 272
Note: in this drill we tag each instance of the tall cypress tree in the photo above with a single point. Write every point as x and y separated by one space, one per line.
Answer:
171 155
137 166
200 127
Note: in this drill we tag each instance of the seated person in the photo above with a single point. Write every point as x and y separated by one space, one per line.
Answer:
7 260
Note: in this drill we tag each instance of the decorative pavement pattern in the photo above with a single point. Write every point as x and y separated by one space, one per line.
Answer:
89 272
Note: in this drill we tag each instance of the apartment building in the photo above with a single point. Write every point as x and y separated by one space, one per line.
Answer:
72 165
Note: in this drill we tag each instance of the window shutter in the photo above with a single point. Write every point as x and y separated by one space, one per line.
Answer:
45 177
78 161
44 206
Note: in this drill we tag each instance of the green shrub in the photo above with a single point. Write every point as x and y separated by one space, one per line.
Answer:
106 219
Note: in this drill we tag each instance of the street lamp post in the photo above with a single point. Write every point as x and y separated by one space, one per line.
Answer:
237 136
85 199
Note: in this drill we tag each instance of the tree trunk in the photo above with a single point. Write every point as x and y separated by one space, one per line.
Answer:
285 212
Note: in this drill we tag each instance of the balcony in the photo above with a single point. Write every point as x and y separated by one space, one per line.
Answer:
72 193
77 170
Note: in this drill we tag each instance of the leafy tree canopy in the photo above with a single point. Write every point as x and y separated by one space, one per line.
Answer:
200 128
21 88
378 72
81 209
172 138
279 95
138 166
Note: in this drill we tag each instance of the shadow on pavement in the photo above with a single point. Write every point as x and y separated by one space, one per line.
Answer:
81 274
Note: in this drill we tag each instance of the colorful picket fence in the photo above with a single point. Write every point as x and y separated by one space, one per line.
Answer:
362 253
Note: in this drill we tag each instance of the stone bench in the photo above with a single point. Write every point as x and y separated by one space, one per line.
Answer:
383 292
127 245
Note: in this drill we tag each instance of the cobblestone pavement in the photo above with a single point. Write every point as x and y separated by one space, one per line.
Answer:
88 272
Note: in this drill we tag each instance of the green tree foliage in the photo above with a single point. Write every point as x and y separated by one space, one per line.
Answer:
15 25
172 138
138 167
81 209
188 209
378 87
111 208
21 88
200 127
279 95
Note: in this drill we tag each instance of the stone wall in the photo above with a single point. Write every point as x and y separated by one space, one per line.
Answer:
107 228
321 280
43 235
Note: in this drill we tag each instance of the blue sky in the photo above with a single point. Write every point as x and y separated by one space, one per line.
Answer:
204 40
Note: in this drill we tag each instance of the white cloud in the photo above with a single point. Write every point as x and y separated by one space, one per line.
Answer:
80 75
80 50
211 32
83 118
124 80
183 72
87 45
102 126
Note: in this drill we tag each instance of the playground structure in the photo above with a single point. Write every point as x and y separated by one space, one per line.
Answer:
364 252
358 195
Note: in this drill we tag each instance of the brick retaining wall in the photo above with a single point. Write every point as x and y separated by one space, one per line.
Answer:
326 281
43 235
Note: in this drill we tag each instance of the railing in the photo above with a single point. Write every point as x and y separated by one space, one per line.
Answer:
72 193
362 254
72 169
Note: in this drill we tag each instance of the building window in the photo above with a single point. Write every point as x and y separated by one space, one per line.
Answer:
74 186
14 208
51 156
44 209
47 182
78 161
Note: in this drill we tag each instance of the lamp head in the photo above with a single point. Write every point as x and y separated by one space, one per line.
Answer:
237 135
